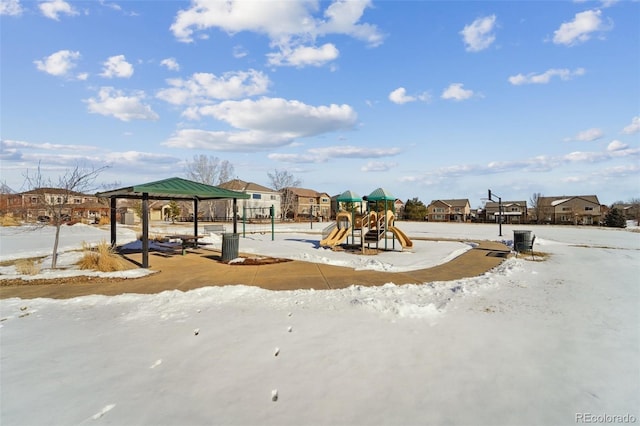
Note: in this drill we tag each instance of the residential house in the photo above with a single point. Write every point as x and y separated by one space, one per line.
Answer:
256 207
512 212
398 206
456 210
304 204
41 203
570 210
631 211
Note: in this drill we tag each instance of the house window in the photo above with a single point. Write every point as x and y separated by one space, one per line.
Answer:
312 200
77 200
564 209
325 200
438 217
272 197
514 209
564 218
439 210
256 196
34 199
588 208
457 209
59 200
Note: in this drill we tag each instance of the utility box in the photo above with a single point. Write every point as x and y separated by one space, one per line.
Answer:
127 218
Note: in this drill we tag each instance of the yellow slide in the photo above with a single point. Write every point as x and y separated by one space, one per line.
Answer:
405 242
335 237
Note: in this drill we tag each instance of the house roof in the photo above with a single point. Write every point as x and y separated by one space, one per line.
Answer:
554 201
303 192
242 186
174 189
458 202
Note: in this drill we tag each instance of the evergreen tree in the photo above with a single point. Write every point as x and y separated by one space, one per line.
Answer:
415 209
615 219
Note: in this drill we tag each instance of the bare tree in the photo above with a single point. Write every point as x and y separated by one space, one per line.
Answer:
280 181
536 206
72 183
210 171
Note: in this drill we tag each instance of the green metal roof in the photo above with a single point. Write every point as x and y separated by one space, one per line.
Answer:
174 188
348 197
380 194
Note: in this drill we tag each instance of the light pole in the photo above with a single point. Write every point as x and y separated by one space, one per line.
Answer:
499 211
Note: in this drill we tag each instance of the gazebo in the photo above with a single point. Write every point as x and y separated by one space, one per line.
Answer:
168 189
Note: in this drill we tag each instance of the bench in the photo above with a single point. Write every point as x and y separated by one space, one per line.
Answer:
214 229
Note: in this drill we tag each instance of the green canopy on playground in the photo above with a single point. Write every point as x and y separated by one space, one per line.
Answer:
348 197
381 194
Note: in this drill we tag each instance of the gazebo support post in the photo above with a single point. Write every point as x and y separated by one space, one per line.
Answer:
145 230
112 214
195 217
235 215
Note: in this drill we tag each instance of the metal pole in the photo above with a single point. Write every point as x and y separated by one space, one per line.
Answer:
273 222
500 210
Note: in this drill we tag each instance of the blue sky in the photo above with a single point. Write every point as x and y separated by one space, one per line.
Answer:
427 99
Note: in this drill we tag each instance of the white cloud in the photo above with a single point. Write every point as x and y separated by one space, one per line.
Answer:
115 103
589 135
377 166
324 154
262 124
11 8
171 64
239 52
634 127
479 34
399 96
53 9
456 92
301 56
117 66
291 26
237 141
59 63
277 115
580 29
203 88
545 77
616 146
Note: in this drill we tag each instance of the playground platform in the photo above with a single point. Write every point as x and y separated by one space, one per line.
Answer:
201 268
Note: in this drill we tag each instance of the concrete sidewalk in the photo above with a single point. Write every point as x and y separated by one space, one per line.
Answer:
200 268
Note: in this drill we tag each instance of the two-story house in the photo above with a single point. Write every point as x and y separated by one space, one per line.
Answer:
258 206
456 210
570 210
42 203
512 211
304 204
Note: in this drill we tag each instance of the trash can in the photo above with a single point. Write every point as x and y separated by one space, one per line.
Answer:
230 244
522 241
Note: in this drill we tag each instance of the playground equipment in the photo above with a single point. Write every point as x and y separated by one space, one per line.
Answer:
340 231
371 227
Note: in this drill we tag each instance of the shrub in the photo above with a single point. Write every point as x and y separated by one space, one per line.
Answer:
27 267
7 220
101 258
104 220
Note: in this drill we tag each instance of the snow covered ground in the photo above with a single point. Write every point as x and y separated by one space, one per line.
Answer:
529 343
